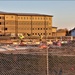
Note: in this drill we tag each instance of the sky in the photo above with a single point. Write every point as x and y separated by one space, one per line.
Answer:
63 11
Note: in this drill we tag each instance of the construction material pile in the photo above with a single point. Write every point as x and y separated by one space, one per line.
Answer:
65 49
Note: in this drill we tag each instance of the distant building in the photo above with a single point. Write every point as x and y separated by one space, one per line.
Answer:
61 32
26 23
72 32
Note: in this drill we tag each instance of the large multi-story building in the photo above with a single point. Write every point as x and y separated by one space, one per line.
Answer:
26 23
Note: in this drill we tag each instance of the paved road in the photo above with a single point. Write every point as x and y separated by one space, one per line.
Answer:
41 52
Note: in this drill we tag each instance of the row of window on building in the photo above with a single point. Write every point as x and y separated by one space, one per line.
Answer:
39 34
36 18
41 28
35 28
26 23
27 28
34 23
1 17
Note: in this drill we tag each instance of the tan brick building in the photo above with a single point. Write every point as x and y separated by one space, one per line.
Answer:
54 30
61 32
26 23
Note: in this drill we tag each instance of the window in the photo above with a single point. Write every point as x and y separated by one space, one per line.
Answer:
24 17
38 28
43 33
18 17
32 18
5 28
35 33
27 17
49 18
33 28
46 28
38 34
0 23
35 18
11 16
49 28
2 17
44 18
49 33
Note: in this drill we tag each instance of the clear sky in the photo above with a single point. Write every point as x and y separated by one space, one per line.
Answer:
63 11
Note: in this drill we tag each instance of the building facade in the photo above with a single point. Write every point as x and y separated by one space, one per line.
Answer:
54 30
25 23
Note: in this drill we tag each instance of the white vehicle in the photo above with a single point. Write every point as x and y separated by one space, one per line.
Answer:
2 49
8 47
21 47
26 47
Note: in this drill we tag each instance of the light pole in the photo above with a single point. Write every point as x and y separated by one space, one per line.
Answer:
16 26
47 62
31 25
47 46
4 25
31 29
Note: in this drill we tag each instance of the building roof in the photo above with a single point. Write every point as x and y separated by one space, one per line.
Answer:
26 14
62 30
71 30
54 27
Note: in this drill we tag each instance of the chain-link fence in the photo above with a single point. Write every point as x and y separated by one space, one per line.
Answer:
27 64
